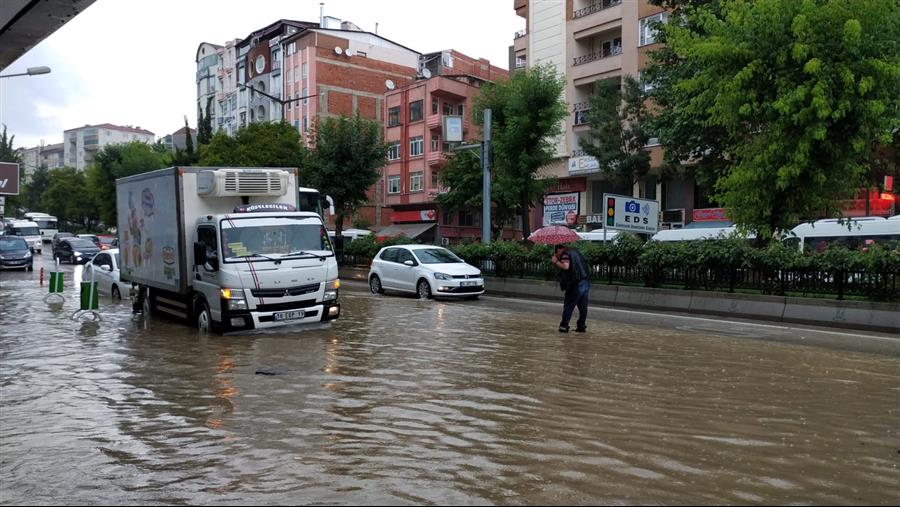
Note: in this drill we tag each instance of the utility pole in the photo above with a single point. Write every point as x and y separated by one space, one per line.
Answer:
486 180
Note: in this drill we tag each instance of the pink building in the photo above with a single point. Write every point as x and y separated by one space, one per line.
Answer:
414 130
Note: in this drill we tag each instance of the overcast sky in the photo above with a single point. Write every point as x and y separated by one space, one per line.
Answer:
131 62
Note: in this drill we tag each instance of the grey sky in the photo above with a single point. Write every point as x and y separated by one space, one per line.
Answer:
131 62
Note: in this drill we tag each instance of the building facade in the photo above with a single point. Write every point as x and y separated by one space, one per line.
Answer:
425 121
80 144
49 156
178 140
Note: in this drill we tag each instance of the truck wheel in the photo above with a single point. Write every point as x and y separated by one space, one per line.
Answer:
204 318
115 293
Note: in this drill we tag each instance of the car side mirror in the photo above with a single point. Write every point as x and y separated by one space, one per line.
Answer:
199 253
409 263
106 267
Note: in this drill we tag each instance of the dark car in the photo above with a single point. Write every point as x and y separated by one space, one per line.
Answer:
58 236
75 250
15 253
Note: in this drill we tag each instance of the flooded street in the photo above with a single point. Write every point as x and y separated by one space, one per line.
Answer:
421 402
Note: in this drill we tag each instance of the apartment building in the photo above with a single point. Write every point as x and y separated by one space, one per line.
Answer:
603 39
80 144
178 140
50 156
425 122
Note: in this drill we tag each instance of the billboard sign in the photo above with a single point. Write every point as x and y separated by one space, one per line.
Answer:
9 178
583 165
631 214
557 208
453 129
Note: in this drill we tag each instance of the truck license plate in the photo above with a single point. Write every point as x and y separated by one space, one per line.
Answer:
288 315
468 284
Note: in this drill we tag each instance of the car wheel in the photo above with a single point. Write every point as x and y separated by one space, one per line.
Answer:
375 285
204 318
115 293
423 289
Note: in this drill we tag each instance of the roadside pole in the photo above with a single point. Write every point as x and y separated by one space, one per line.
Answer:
486 177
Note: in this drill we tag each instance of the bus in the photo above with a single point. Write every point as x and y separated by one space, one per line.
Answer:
46 223
311 199
855 233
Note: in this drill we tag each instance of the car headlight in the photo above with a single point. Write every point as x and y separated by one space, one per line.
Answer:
333 284
77 253
27 254
442 276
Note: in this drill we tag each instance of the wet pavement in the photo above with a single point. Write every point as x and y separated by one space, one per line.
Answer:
406 401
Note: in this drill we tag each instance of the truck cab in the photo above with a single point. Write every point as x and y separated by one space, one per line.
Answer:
260 268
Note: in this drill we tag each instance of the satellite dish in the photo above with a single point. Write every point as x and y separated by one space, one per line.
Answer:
338 50
426 73
389 84
350 52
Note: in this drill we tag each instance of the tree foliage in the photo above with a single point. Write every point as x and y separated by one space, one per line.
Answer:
346 162
618 132
463 176
118 161
204 124
256 145
526 115
788 100
66 197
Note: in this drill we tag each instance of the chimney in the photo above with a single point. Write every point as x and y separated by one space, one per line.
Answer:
321 14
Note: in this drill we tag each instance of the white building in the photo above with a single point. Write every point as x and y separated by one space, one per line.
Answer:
82 143
50 156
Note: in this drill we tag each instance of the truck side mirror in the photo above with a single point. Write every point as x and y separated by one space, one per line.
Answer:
199 253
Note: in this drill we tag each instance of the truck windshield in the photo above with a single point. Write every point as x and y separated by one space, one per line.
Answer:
273 236
27 231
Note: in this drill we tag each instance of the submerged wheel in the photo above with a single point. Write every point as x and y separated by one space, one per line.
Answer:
204 318
115 293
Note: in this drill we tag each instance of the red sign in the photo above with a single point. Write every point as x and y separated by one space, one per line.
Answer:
9 178
710 215
569 185
425 215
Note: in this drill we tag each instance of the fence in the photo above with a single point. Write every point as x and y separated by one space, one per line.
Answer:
881 286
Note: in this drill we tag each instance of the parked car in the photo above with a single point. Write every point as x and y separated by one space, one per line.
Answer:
15 253
93 238
426 270
75 250
58 236
104 269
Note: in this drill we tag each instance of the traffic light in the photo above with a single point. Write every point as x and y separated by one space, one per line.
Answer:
610 211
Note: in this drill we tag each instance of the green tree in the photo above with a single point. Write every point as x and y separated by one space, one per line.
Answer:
34 189
204 124
256 145
463 177
526 115
346 162
618 132
118 161
67 199
793 97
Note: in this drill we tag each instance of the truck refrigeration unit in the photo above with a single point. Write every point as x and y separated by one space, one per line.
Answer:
225 248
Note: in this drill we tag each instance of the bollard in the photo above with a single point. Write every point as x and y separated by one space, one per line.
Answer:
56 282
41 278
89 297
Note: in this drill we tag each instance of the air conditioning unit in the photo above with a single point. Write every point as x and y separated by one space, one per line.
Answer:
671 218
236 183
445 241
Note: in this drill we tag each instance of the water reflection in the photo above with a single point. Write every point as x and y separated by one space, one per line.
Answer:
408 401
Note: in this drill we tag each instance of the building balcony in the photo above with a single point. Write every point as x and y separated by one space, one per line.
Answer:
220 96
596 18
581 110
596 6
520 43
520 34
436 158
220 72
521 8
590 67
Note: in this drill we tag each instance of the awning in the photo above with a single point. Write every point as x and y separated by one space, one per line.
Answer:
408 230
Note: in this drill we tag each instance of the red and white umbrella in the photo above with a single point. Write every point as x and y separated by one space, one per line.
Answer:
553 235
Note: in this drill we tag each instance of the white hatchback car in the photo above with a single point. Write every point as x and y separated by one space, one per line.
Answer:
104 267
426 270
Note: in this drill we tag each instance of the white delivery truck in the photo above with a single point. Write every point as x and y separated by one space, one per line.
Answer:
225 249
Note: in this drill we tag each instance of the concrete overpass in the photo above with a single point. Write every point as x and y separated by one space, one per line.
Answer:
24 23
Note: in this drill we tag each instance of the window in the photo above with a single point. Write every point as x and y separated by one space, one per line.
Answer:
207 235
296 74
305 124
434 179
447 218
393 184
448 108
305 96
390 254
305 70
435 104
415 111
290 102
394 116
467 219
415 146
435 142
460 109
394 150
647 30
416 181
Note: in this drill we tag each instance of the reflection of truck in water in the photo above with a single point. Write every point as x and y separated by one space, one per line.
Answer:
225 248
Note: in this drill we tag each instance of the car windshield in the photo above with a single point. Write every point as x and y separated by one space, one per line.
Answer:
93 239
436 256
12 244
81 243
278 236
27 231
106 241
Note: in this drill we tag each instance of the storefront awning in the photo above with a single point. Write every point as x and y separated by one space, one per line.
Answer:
408 230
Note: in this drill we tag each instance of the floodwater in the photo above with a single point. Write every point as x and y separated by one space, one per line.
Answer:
404 401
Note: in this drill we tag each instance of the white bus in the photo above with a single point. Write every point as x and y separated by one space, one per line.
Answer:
46 223
856 233
312 200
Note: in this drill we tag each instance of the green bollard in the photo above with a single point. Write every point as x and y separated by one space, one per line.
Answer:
90 300
56 282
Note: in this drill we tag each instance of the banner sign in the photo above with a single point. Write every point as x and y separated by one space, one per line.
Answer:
558 206
9 178
631 214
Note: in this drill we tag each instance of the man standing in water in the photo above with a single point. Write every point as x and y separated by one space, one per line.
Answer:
575 280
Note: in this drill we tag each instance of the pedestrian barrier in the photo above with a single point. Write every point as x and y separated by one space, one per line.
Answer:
56 286
90 301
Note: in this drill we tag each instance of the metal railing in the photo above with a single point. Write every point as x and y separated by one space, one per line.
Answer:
597 55
595 7
520 34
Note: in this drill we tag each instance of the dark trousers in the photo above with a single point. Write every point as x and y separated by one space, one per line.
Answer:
576 296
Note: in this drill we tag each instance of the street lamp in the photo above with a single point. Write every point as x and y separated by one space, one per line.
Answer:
32 71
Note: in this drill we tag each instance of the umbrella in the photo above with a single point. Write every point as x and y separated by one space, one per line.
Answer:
553 235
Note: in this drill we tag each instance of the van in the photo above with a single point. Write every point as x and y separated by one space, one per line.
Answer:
596 236
701 233
855 233
29 231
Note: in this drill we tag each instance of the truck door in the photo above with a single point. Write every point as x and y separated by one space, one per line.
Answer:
208 282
